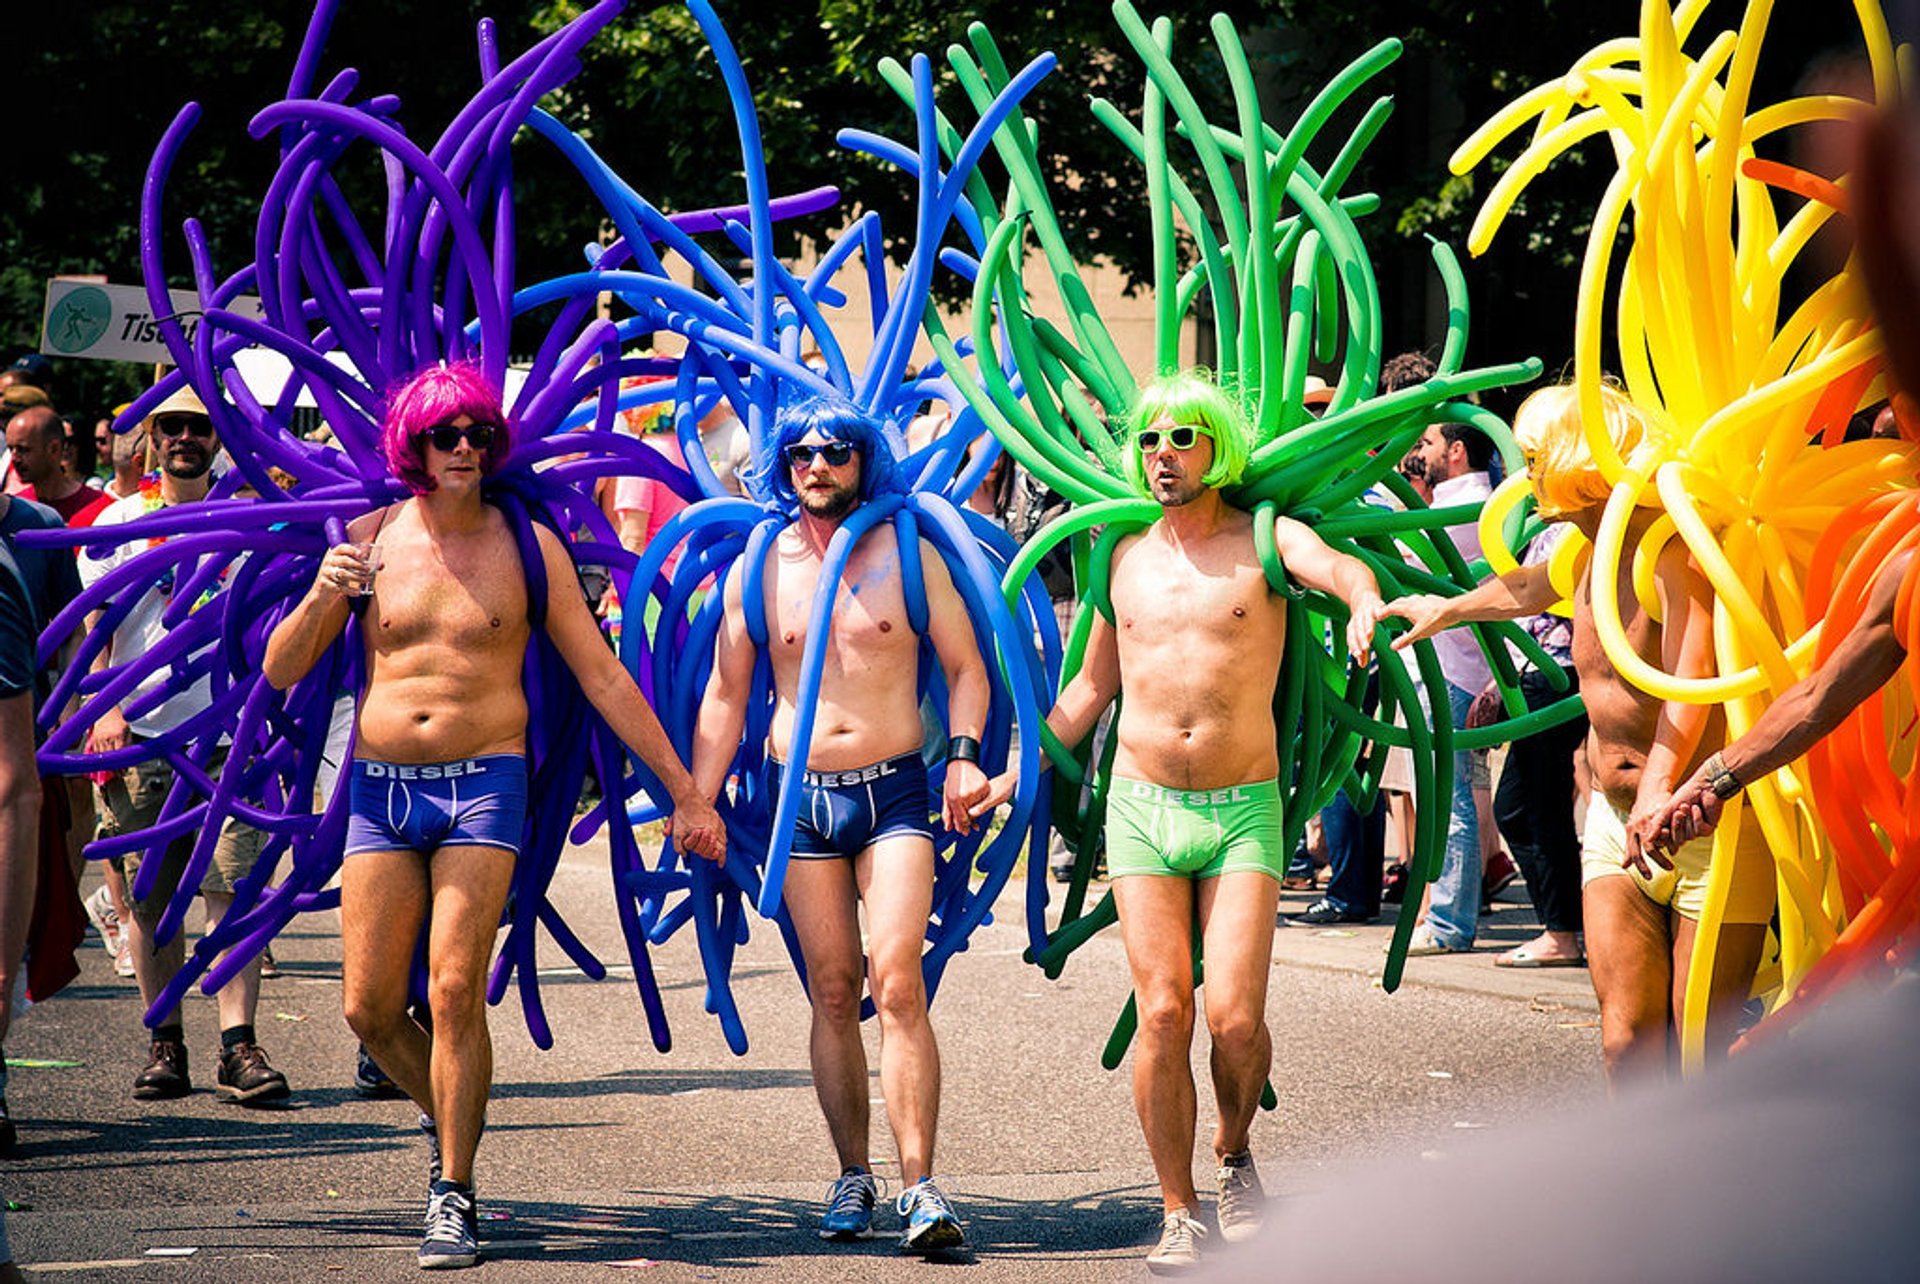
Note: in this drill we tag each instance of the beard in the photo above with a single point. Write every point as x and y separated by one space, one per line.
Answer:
190 465
1174 492
830 505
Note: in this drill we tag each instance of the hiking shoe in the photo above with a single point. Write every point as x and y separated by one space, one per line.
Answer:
245 1077
105 921
166 1072
931 1225
850 1203
453 1229
370 1081
431 1131
1243 1204
1179 1248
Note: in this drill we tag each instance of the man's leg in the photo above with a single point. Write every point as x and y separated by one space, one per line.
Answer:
469 890
895 878
383 901
820 899
1453 915
1156 925
19 843
1629 955
1734 962
239 998
1236 913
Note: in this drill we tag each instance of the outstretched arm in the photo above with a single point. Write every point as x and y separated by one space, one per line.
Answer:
612 691
968 689
1309 560
1523 591
1866 659
1082 701
723 711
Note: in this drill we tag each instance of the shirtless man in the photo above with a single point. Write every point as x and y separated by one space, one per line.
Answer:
862 835
1193 816
1640 920
439 776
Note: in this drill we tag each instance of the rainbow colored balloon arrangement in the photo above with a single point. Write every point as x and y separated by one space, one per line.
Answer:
1752 387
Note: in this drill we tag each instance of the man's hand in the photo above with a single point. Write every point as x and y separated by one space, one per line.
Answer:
346 571
698 828
1643 830
1422 610
109 732
966 787
999 790
1367 614
1693 812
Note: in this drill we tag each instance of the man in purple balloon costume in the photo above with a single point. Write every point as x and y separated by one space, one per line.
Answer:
438 785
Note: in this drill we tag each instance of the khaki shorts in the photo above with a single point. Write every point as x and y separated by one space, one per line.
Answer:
132 799
1603 846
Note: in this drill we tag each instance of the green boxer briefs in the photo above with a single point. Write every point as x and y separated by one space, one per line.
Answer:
1193 833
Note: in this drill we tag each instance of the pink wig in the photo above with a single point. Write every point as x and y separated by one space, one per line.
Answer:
437 395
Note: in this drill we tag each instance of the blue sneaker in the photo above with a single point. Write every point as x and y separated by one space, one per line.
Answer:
453 1230
931 1225
850 1203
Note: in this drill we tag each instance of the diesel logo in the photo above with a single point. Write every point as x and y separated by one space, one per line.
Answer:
424 771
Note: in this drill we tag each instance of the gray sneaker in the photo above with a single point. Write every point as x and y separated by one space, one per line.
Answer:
453 1233
1243 1204
1179 1248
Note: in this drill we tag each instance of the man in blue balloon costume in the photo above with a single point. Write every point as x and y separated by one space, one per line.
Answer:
438 791
863 832
1195 642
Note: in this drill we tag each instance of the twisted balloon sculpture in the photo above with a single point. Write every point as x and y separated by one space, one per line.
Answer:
355 301
1279 265
1752 392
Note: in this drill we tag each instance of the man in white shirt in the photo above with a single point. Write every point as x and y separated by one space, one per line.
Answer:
1456 459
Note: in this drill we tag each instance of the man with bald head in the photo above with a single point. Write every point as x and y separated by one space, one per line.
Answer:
38 443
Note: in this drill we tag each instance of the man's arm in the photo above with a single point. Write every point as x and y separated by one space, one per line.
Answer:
611 689
1523 591
1686 651
304 633
1866 659
968 689
723 710
1310 560
1081 702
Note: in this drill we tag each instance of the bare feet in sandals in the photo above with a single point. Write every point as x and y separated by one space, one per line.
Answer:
1549 949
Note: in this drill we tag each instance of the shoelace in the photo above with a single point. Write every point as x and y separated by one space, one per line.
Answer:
852 1193
447 1215
926 1196
1180 1234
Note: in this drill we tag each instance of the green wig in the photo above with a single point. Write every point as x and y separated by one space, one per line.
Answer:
1190 398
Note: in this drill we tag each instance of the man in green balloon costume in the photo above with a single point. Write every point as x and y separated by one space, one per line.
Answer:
1194 645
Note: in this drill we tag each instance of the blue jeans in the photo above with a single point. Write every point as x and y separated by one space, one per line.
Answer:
1454 914
1356 850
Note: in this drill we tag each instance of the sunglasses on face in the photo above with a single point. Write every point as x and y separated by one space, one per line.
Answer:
1181 438
446 438
192 425
836 453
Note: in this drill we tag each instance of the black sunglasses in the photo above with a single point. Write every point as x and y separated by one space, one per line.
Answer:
192 425
836 453
446 438
1181 438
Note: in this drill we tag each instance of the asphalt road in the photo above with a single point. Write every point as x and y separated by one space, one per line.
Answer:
603 1155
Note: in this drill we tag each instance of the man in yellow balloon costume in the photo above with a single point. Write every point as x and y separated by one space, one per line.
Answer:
1642 911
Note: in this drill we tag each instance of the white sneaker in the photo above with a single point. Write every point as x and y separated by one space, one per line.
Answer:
1243 1203
105 921
1179 1248
123 958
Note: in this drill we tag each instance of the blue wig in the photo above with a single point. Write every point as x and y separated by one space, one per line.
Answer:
838 420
